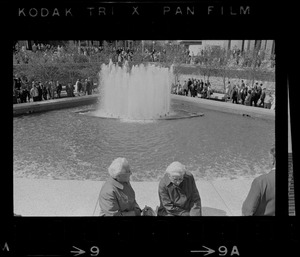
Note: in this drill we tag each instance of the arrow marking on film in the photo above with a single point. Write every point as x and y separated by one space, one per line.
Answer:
207 251
78 251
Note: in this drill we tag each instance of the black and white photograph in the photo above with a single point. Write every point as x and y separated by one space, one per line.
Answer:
144 127
181 111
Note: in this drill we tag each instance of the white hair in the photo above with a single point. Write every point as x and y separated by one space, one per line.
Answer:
117 166
176 168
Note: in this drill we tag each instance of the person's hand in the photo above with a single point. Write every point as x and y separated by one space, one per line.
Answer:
186 213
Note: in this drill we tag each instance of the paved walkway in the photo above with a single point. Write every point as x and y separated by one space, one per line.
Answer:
47 197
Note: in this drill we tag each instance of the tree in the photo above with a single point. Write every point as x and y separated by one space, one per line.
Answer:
225 64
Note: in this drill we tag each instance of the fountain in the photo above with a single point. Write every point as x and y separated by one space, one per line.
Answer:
142 92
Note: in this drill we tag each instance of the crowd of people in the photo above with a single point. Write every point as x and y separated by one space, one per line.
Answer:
193 87
117 54
256 95
25 91
178 193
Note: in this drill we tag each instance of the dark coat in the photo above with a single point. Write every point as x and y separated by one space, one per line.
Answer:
182 200
261 197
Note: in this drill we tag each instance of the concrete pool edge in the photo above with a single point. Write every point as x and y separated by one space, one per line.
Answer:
49 105
48 197
248 111
53 104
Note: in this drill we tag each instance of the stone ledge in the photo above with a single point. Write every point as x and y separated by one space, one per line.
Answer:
54 104
248 111
48 197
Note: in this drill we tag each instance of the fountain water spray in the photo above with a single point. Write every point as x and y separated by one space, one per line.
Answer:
140 93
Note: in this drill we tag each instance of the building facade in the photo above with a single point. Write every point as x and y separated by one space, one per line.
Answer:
196 46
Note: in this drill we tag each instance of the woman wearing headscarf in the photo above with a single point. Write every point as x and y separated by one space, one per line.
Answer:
117 197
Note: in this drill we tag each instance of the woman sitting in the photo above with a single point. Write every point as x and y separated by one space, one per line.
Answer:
117 197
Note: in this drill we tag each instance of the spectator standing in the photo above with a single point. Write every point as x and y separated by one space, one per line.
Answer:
259 91
185 88
28 91
242 84
253 97
262 98
68 89
201 85
44 92
34 92
40 90
199 89
204 91
192 89
234 94
58 89
228 90
23 93
89 86
248 98
268 100
209 90
243 93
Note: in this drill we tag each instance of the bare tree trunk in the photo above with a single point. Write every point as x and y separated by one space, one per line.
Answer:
224 81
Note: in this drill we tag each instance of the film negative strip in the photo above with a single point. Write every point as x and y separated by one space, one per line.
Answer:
59 172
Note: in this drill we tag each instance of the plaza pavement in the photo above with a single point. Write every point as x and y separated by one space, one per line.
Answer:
47 197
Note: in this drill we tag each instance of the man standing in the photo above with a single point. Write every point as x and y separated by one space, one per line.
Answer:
40 90
45 92
189 83
243 93
178 193
261 197
262 97
58 89
185 88
234 94
89 86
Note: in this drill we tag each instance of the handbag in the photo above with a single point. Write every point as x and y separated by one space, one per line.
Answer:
148 211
